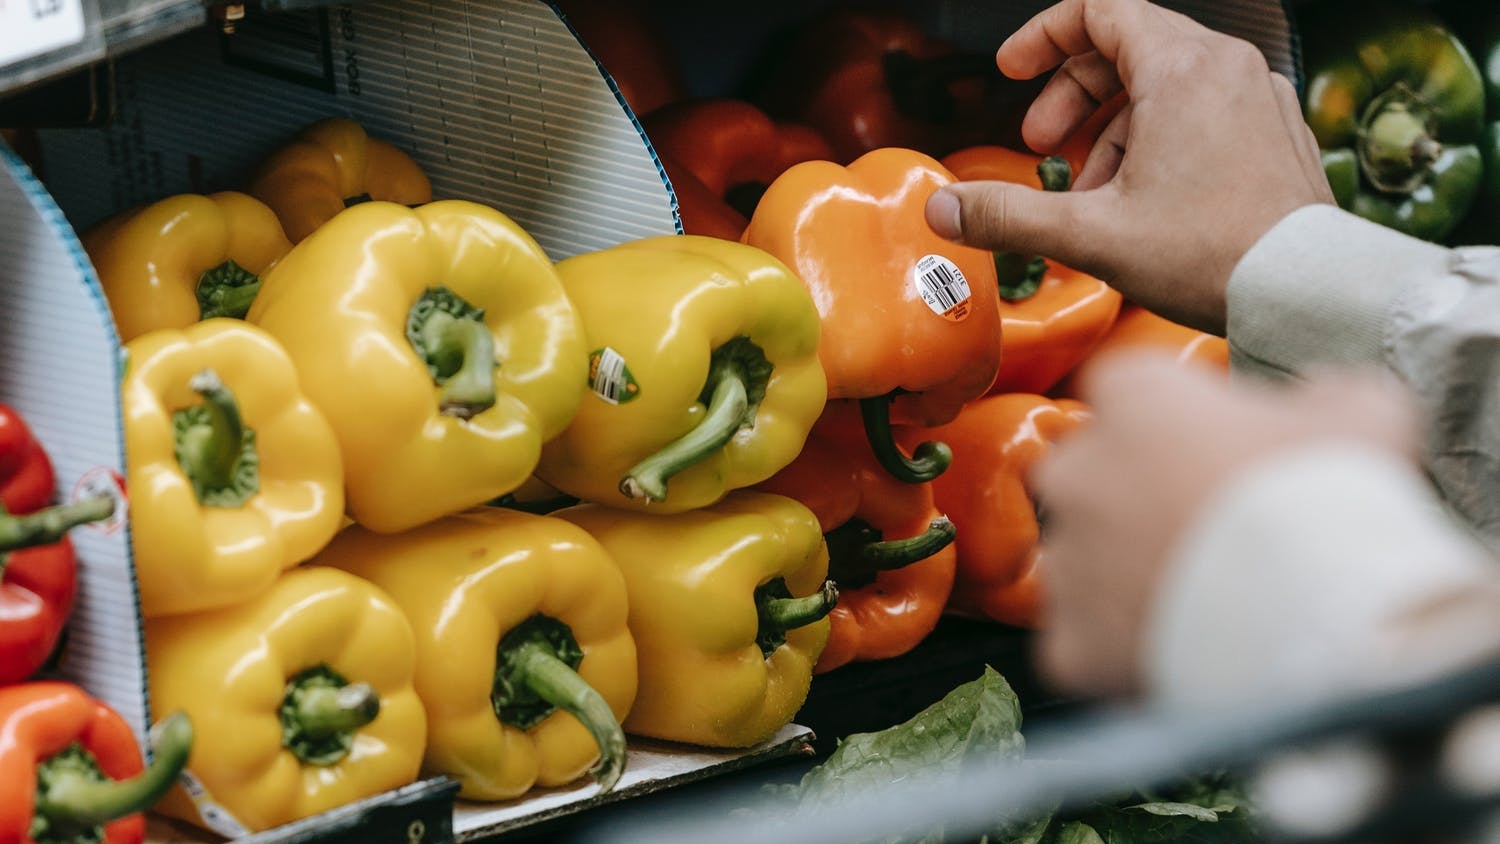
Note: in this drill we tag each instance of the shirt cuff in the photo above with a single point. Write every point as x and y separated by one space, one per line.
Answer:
1318 288
1323 570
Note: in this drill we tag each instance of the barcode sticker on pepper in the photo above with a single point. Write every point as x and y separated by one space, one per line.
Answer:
610 378
942 285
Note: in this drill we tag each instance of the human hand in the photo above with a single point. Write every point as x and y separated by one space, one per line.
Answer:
1119 493
1210 152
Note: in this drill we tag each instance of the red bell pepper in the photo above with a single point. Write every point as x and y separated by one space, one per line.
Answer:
870 78
27 481
995 442
38 582
629 44
890 550
70 770
734 150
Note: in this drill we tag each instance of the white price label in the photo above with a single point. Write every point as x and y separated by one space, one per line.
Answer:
943 286
32 27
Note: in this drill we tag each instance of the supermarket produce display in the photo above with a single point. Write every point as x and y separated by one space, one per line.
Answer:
337 296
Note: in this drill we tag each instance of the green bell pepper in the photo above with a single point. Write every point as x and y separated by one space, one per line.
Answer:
1479 28
1397 105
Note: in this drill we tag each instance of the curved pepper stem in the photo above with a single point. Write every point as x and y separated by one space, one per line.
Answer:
226 291
779 612
44 527
320 713
214 448
74 796
737 377
1396 145
1021 275
536 674
926 462
857 552
452 339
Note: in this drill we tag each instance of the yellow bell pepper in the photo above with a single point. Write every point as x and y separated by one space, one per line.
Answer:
301 699
330 166
524 660
704 373
440 345
234 476
183 259
728 606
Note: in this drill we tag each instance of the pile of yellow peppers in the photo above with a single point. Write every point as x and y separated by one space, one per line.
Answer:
342 395
327 379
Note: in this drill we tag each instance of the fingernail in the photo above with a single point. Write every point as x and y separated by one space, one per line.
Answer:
943 215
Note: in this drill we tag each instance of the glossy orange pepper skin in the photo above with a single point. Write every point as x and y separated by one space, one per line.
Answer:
1045 335
855 236
1138 328
626 40
837 477
725 145
837 76
995 443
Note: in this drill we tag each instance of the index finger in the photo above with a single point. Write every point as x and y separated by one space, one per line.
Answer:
1115 28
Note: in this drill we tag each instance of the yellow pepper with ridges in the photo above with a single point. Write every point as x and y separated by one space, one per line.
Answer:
234 476
704 373
524 660
330 166
183 259
441 347
301 699
728 606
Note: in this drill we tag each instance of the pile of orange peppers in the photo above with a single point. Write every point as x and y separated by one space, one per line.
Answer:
788 440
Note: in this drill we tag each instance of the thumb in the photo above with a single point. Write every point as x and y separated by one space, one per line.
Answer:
1005 217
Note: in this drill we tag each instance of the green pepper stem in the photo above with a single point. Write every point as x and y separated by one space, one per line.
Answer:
1396 144
226 290
45 527
782 614
892 554
536 666
73 801
727 407
209 452
466 348
323 711
1021 275
928 460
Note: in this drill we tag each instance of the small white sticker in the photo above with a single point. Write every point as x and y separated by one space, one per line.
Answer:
214 816
103 481
610 378
32 27
942 285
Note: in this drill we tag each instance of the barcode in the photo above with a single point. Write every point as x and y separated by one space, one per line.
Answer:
941 284
608 376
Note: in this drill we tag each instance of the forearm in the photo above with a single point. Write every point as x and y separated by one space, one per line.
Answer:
1323 570
1326 288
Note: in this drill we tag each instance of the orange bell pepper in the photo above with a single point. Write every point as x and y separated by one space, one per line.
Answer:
890 550
734 150
1140 328
1055 316
871 78
910 321
627 42
996 441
